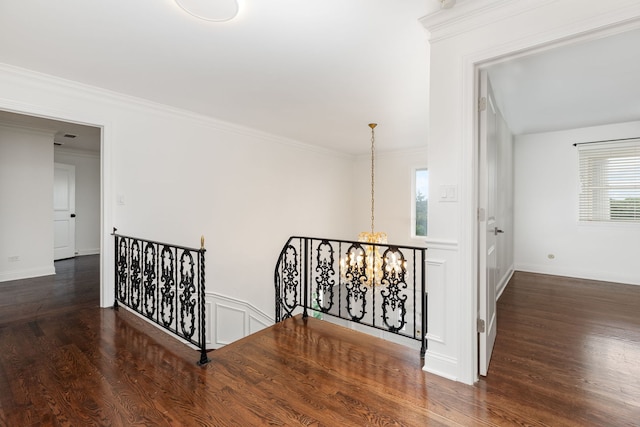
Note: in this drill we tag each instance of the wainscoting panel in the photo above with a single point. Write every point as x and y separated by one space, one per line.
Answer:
436 291
229 323
230 319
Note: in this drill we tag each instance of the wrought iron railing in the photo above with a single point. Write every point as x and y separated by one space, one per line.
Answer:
165 284
378 285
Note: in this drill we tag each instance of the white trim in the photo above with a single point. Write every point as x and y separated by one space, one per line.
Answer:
599 18
600 276
107 292
440 365
146 105
400 152
441 244
76 153
27 129
468 16
436 299
84 252
249 319
504 282
27 274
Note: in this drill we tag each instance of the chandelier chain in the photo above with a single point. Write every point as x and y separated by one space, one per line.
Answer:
372 175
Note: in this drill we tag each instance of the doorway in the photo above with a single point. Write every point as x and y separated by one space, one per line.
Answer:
529 109
64 151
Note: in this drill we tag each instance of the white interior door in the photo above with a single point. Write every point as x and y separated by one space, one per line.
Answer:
64 215
487 225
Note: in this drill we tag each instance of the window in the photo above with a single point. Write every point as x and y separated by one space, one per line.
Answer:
609 181
420 202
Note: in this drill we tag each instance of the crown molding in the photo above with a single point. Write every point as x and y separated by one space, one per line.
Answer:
389 154
102 95
469 15
442 244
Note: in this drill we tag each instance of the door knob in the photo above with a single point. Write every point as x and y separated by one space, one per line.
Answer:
496 230
73 215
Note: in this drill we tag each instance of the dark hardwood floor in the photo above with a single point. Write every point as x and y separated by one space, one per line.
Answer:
567 354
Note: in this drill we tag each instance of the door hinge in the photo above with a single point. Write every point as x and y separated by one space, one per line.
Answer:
481 214
481 326
482 104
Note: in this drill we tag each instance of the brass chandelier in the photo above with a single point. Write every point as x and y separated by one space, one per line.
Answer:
366 262
373 236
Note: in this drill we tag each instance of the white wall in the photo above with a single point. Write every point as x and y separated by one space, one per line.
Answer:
547 211
181 176
26 203
87 198
393 176
471 34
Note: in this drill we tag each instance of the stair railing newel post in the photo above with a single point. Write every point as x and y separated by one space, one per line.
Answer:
305 268
203 336
423 280
276 279
115 267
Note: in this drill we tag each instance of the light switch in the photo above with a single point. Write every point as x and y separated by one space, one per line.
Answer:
448 193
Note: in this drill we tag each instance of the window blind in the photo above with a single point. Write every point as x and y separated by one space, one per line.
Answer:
609 181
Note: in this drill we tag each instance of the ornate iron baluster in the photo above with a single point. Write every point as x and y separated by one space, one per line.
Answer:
393 277
356 275
167 289
123 269
325 281
187 291
290 273
136 278
150 280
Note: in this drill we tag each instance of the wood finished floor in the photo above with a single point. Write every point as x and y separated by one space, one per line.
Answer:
567 354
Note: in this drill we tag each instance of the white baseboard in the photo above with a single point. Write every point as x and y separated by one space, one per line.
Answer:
441 365
83 252
502 285
27 274
605 276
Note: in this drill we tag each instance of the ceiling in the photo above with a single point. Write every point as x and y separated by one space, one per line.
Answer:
70 136
582 84
314 71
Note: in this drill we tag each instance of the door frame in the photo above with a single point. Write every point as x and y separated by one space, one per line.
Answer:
471 66
89 118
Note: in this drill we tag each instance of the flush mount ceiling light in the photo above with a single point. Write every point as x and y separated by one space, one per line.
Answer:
210 10
447 4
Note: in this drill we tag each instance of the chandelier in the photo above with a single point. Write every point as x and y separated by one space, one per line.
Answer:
373 236
364 263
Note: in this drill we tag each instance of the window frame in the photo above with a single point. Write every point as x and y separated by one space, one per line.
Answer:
414 185
609 171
